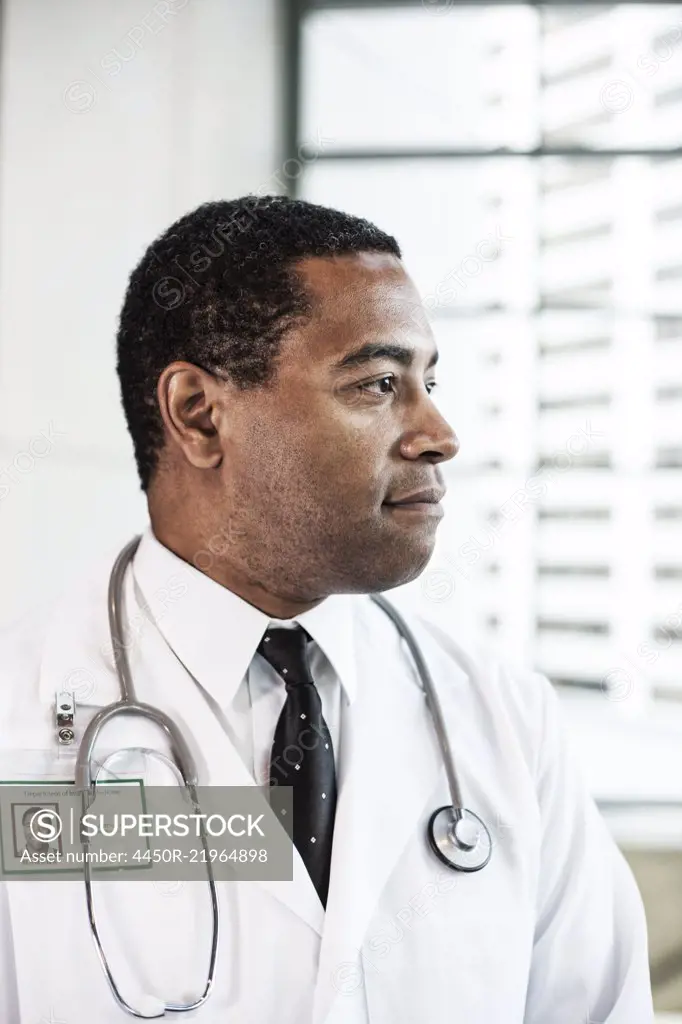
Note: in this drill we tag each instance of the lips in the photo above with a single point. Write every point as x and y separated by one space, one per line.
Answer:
424 504
427 496
415 509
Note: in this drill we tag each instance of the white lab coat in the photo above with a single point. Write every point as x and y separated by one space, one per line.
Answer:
551 931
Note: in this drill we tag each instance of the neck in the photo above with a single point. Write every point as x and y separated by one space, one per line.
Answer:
195 549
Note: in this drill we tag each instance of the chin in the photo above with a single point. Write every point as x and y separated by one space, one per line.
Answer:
397 574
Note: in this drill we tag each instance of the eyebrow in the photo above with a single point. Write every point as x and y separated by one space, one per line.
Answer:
382 350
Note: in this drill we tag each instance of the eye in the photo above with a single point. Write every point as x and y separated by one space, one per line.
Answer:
375 383
390 378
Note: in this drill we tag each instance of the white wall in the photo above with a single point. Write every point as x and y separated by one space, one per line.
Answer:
114 120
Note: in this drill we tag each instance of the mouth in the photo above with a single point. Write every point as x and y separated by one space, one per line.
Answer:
424 504
415 509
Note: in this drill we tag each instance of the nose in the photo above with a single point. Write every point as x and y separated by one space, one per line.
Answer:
432 439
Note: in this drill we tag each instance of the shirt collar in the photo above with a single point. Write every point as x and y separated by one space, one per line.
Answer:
215 633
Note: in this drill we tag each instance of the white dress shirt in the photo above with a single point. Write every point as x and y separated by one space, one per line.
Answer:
215 633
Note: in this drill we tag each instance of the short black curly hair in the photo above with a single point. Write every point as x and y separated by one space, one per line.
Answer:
219 289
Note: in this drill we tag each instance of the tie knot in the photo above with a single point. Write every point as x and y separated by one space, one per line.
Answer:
285 649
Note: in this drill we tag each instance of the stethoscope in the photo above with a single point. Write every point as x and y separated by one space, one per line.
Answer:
457 836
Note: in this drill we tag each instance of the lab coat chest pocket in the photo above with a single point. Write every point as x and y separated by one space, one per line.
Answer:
442 938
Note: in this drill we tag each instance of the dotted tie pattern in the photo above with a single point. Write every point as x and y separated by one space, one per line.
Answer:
302 753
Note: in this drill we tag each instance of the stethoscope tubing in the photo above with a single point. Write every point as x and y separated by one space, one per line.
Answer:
441 835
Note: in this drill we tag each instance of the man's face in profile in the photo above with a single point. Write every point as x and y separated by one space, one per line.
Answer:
312 461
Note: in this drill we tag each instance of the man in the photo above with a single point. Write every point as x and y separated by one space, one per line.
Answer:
276 371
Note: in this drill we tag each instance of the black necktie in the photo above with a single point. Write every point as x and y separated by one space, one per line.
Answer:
302 753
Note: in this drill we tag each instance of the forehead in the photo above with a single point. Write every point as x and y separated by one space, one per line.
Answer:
356 297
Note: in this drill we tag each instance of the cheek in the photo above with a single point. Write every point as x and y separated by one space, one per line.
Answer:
337 464
348 461
351 487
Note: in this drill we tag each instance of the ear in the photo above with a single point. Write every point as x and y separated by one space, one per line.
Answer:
192 404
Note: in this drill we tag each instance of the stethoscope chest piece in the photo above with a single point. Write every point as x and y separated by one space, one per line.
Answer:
463 842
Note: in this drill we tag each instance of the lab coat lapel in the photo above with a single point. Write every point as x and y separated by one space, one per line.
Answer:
75 653
390 767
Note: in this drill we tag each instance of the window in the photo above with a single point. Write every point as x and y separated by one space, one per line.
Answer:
572 191
599 63
528 158
669 97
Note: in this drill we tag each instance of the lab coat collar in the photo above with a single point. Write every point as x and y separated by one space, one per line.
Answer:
215 632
